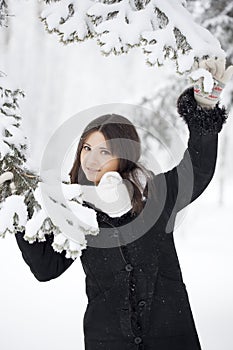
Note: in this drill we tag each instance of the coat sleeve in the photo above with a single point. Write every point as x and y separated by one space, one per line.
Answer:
186 181
44 262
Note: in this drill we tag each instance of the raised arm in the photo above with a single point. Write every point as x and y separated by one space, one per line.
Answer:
181 185
204 118
186 181
44 262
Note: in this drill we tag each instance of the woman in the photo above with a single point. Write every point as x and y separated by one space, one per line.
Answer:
136 295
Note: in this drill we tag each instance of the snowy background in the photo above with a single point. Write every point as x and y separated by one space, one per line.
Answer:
60 81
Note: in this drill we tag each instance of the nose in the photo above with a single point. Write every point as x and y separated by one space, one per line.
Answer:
92 159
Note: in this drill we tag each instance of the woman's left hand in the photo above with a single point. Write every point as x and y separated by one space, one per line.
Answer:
221 76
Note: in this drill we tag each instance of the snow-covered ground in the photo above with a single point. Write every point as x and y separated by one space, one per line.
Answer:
60 81
49 315
204 243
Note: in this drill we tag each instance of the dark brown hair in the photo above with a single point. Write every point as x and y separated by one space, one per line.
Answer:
116 130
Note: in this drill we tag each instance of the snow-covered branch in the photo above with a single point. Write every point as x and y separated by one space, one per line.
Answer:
164 29
69 19
22 206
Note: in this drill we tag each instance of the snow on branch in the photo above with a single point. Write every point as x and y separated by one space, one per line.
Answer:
12 137
22 207
69 19
164 29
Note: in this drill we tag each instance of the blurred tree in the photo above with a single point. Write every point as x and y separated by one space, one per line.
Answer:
163 119
3 13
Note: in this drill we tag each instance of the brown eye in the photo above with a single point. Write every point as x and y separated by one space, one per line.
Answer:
86 148
105 152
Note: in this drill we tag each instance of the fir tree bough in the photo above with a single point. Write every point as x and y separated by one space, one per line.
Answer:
164 29
14 177
21 202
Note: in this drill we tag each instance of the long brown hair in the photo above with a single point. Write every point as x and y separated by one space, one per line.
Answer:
116 129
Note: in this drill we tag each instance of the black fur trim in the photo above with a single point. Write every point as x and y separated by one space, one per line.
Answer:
204 121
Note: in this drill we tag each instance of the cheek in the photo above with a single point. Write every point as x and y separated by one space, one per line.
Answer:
116 164
81 157
113 164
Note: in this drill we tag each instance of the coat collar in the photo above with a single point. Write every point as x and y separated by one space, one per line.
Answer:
104 217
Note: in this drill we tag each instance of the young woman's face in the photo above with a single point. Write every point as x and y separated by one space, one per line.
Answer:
96 157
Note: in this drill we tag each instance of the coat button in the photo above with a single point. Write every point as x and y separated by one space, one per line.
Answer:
142 303
137 340
128 267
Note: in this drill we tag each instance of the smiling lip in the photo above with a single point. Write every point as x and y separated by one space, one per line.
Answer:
92 170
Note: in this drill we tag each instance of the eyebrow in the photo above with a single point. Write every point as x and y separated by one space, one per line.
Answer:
85 143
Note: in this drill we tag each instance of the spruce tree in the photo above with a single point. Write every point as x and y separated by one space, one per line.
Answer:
17 183
22 206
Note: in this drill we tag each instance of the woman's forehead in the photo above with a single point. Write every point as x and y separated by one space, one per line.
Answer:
96 138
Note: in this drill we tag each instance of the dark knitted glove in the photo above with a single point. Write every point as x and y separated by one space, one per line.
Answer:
204 121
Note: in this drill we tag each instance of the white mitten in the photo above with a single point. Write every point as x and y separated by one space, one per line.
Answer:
220 75
111 195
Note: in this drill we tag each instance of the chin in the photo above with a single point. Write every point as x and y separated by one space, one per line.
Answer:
92 178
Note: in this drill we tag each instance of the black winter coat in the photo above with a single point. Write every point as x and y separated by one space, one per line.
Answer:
137 299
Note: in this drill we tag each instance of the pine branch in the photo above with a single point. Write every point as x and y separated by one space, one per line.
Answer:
21 204
163 29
